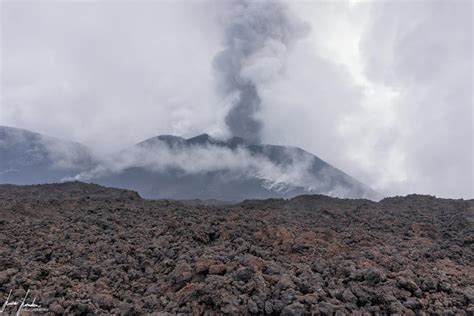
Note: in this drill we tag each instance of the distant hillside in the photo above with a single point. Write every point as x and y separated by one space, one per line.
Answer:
173 167
31 158
299 172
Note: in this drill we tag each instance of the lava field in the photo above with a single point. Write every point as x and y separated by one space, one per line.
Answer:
86 249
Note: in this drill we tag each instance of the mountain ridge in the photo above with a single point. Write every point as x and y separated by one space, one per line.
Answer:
199 167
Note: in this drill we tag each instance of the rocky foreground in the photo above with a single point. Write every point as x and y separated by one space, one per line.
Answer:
86 249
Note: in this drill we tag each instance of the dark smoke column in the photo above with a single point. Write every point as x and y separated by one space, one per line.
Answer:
258 35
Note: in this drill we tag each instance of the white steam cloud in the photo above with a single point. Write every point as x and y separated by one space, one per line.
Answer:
200 159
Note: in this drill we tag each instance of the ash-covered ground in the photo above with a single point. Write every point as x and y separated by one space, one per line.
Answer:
86 249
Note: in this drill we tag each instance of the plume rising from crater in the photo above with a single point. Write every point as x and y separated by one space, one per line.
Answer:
257 38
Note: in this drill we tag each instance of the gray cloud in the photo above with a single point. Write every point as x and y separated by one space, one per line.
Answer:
257 36
382 91
423 50
106 73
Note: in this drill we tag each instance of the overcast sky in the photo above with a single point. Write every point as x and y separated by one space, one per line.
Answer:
382 90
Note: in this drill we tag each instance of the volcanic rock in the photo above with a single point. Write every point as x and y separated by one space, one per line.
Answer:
86 249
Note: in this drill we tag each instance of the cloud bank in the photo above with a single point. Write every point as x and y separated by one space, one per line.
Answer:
201 159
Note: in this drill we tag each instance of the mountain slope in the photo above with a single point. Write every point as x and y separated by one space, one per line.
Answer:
30 158
209 168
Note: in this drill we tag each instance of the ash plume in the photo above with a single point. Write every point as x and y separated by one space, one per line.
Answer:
258 35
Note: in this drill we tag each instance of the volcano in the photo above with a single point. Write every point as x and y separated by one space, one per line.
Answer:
172 167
